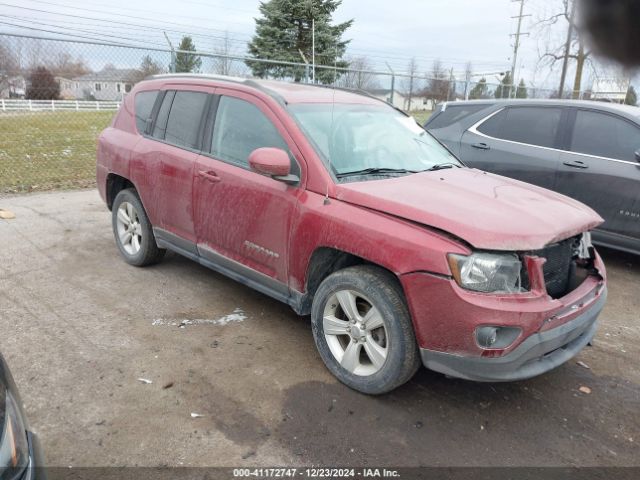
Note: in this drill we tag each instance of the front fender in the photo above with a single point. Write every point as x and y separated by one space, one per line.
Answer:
398 245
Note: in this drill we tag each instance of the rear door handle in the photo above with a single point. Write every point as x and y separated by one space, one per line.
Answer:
210 176
576 164
481 146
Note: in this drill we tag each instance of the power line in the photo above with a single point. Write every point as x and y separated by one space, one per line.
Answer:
91 32
58 33
137 17
49 12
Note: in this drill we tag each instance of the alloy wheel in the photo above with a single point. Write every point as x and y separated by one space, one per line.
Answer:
355 332
129 229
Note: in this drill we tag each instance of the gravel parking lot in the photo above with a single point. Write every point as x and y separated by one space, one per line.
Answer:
80 328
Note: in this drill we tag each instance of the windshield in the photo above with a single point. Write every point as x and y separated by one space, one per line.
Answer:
370 139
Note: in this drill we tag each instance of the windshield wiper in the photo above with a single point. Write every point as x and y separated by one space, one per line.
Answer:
373 171
442 166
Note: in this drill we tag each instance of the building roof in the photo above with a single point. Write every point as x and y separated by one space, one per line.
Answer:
109 75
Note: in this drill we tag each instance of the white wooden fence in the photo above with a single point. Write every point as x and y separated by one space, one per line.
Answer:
14 105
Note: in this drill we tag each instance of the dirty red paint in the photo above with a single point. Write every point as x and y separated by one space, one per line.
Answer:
407 225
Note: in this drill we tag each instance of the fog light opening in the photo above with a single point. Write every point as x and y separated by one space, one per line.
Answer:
493 337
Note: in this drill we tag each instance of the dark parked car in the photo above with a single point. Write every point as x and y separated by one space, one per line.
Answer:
20 455
586 150
345 209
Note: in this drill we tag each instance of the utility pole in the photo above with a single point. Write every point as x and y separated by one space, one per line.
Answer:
567 48
449 85
516 45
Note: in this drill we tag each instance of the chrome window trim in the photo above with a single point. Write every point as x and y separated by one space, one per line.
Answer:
474 129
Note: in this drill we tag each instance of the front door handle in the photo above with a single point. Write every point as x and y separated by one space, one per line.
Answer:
576 164
209 175
481 146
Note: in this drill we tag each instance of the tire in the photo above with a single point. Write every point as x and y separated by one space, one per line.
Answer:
134 239
370 360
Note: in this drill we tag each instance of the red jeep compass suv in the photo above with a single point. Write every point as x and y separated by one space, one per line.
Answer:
347 210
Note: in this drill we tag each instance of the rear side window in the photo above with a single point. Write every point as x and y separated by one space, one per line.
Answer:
531 125
239 129
605 136
143 105
453 114
185 118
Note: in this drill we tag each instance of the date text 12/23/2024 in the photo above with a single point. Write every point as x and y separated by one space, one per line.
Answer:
315 473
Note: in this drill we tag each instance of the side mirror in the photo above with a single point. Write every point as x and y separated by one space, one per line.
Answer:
274 162
637 155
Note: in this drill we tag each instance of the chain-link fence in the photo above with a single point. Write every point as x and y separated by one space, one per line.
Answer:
57 95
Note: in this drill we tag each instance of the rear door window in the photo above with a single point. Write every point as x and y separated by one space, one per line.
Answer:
143 105
531 125
605 135
240 128
160 125
185 118
453 114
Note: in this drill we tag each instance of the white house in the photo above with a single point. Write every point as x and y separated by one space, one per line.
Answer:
67 91
401 101
610 89
12 86
107 84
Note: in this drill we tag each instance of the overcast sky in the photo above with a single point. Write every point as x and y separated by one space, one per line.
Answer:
454 31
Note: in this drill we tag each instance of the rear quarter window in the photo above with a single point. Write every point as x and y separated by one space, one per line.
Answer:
605 135
143 105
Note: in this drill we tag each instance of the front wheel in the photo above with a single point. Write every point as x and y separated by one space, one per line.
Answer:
363 330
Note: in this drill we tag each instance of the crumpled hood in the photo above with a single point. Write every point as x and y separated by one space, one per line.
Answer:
488 211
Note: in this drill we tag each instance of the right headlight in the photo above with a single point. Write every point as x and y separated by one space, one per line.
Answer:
14 447
487 272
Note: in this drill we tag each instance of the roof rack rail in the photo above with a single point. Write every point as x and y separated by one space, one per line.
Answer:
225 78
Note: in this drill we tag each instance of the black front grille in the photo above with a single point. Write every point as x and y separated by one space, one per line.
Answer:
558 268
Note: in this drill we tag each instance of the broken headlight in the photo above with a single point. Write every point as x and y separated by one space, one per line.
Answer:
14 447
487 272
583 250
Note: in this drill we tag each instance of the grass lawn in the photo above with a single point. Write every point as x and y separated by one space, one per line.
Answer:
47 150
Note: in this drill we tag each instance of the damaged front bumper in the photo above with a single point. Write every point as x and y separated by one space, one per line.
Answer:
539 353
550 330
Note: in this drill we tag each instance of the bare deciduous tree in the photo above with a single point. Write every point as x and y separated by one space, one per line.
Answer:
554 48
222 65
410 84
359 75
437 83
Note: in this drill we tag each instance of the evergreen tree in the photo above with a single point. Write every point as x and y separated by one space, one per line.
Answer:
521 92
632 96
42 85
187 62
480 90
285 29
504 89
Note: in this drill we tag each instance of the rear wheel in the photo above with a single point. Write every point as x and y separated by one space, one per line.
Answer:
363 330
132 230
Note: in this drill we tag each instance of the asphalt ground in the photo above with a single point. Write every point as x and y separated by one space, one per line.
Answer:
236 379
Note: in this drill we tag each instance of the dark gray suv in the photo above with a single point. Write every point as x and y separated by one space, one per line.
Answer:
586 150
